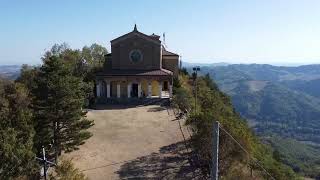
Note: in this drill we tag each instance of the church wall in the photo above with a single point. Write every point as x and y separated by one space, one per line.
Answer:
121 50
171 63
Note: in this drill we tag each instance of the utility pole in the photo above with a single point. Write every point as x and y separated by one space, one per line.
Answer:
195 71
215 151
55 141
45 162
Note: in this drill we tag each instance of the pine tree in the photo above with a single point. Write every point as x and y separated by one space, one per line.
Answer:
58 103
16 131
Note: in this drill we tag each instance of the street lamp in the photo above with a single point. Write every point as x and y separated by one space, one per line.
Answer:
195 75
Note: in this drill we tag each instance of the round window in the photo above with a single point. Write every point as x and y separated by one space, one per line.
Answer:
135 56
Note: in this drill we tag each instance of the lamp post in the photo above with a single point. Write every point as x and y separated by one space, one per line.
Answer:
195 74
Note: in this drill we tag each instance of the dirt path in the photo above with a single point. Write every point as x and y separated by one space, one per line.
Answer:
141 142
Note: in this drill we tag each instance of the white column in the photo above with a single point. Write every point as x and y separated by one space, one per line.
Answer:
98 89
160 89
129 90
149 89
118 90
170 90
139 89
108 89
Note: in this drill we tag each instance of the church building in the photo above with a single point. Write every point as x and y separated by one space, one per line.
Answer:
138 66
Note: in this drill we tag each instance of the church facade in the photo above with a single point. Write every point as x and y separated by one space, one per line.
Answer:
138 66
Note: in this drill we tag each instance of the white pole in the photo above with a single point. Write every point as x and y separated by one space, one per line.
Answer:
98 89
108 89
215 151
149 89
160 89
118 90
129 90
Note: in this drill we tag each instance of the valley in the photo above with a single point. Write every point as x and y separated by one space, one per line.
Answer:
279 103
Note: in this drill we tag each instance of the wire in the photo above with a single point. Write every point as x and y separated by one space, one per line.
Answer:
106 165
254 160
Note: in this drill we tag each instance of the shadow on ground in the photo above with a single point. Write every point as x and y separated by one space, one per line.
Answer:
170 163
157 109
105 104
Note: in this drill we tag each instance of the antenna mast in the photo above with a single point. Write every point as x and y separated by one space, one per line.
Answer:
164 40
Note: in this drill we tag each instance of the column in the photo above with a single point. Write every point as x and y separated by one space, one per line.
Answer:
170 90
118 90
149 89
160 89
129 90
103 89
108 89
139 89
98 89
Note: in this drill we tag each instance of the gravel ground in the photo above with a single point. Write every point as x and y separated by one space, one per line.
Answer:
132 143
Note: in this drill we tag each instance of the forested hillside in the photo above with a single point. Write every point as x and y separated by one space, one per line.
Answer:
10 71
277 102
257 161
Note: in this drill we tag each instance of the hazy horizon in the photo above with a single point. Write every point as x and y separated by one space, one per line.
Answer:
248 31
201 63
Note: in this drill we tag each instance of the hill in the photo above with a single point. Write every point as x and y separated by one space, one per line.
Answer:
276 101
283 100
10 71
301 157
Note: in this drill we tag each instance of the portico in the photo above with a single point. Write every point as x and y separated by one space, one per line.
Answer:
134 86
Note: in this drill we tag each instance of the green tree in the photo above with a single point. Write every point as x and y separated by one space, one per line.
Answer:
94 55
16 131
84 64
27 76
58 102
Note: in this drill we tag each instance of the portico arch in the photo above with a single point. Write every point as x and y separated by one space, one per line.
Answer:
144 87
113 87
155 88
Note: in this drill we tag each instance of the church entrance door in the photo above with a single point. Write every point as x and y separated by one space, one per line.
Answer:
134 90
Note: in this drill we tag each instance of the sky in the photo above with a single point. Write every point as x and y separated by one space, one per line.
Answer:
204 31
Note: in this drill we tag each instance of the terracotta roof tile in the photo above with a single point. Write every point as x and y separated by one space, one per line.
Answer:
168 53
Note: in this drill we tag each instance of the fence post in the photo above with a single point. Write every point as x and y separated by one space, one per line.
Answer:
215 151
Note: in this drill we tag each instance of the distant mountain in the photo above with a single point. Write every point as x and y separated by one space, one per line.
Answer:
187 64
311 87
281 100
277 101
10 71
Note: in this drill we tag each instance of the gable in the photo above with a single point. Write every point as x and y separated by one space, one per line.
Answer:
135 33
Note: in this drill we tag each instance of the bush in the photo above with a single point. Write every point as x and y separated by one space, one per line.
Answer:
66 171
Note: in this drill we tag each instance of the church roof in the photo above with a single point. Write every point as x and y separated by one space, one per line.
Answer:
168 53
133 72
136 32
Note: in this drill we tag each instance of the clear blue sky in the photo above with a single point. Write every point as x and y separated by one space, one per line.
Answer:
235 31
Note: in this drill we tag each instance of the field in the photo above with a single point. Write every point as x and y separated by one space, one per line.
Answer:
139 142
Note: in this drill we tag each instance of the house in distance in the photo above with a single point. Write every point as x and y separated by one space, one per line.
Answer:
138 66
